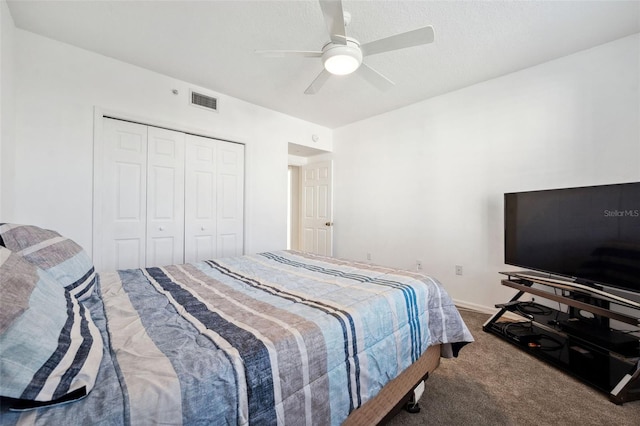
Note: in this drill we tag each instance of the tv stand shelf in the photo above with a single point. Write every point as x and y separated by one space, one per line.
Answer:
579 341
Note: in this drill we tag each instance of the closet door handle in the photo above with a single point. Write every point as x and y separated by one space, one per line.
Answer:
161 228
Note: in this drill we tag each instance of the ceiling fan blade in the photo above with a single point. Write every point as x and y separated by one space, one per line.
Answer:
417 37
375 78
318 82
285 53
334 19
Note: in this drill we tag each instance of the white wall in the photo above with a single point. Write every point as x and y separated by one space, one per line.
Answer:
423 182
59 85
426 182
7 29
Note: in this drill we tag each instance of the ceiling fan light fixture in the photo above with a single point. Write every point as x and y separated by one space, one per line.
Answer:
340 59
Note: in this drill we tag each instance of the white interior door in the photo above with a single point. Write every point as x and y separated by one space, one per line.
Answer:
200 199
123 194
230 199
316 208
165 197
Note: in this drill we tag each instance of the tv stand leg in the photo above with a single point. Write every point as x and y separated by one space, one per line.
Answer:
628 389
487 325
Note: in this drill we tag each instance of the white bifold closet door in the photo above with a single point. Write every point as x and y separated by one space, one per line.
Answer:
230 196
167 197
123 223
214 199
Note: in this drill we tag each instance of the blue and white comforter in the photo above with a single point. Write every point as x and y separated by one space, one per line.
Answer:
274 338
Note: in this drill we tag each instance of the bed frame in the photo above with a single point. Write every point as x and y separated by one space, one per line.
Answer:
397 393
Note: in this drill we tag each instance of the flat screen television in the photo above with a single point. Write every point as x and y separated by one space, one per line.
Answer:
589 234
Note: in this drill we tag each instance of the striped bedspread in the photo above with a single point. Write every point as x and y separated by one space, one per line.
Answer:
273 338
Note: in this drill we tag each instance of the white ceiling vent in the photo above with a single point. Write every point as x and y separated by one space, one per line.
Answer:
204 101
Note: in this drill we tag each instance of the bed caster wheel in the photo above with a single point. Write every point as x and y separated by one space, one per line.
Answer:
412 407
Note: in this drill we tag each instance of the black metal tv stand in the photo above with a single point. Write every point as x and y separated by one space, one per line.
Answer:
579 339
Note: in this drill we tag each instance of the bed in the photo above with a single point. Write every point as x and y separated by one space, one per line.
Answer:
281 337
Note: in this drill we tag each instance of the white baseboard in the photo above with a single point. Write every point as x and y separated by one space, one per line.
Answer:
484 309
474 307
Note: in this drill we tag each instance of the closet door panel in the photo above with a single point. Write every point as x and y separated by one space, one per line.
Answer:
165 197
230 196
124 210
200 199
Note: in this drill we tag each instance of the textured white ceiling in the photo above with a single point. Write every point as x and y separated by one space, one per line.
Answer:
212 43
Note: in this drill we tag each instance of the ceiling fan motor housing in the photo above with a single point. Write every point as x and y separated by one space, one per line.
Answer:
342 59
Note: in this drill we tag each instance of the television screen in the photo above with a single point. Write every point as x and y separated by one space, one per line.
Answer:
591 233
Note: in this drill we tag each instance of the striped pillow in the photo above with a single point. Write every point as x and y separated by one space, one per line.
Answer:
50 348
65 260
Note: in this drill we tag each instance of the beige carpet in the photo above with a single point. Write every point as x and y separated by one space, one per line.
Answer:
494 383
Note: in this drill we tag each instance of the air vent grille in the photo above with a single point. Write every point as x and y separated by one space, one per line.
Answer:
204 101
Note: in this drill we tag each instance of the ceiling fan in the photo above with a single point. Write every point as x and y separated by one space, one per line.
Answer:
343 55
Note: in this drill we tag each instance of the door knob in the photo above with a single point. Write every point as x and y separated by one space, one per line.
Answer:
161 228
328 224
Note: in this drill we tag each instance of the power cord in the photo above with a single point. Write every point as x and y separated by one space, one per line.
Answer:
532 308
509 329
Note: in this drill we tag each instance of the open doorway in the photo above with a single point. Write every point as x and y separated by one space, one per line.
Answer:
309 201
293 209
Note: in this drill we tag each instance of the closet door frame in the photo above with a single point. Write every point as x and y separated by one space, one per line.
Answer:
99 113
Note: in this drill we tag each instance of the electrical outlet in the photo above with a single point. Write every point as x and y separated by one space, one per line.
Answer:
458 269
418 265
368 256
